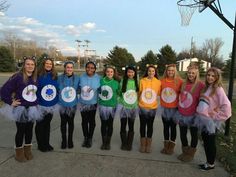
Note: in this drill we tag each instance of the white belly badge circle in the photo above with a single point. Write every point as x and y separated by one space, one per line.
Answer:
185 99
48 92
130 96
29 93
168 95
87 93
106 92
68 94
148 96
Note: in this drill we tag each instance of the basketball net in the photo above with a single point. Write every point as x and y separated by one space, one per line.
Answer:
186 9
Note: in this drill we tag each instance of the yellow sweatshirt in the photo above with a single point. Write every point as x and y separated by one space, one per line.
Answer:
149 89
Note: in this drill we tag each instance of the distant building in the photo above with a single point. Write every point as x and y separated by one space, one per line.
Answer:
182 65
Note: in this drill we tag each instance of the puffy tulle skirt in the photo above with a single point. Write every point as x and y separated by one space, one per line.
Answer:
106 112
148 113
184 120
208 125
21 113
70 111
87 107
126 112
44 110
168 113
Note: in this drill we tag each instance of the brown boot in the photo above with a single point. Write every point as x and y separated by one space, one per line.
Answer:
184 152
171 147
20 156
148 145
130 140
190 155
143 143
28 152
166 146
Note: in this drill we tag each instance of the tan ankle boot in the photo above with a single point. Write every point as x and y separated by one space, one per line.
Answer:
148 145
171 147
184 152
19 156
28 152
143 143
190 155
166 146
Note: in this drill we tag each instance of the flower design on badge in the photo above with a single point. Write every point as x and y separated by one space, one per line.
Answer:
130 96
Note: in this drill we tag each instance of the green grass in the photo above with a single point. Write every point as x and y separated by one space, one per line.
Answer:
226 145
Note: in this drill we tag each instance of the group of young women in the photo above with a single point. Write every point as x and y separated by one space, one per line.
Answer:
32 95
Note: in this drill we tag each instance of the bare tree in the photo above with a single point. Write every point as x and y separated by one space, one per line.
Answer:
4 5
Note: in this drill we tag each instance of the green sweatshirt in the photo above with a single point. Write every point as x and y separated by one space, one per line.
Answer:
129 98
109 91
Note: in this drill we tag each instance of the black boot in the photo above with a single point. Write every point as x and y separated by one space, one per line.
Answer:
104 140
130 140
64 139
108 143
123 138
85 143
39 132
70 139
48 119
89 143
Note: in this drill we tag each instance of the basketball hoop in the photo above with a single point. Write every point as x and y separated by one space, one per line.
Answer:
186 9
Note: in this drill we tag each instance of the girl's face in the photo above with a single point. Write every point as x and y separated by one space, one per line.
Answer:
48 65
170 72
29 66
109 73
192 74
210 77
90 69
69 69
130 74
151 72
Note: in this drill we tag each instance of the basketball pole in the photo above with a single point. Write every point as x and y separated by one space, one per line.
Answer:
232 68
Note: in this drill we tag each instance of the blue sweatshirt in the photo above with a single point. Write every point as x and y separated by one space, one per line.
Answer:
68 90
89 89
47 90
25 92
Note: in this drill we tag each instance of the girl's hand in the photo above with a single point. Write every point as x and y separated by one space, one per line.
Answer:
15 102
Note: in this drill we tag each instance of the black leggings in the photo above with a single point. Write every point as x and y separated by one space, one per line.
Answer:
169 129
209 147
146 122
67 119
194 136
24 130
123 122
107 127
88 123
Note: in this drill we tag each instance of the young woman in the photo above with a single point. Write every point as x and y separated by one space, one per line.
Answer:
47 99
88 86
107 104
188 100
170 88
68 99
149 89
128 100
213 109
19 94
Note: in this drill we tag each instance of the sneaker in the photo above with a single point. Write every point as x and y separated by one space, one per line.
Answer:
206 167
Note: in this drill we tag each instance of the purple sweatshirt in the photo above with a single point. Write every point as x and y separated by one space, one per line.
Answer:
25 92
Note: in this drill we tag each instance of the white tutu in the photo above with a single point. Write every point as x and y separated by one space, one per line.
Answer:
184 120
147 112
168 113
87 107
105 112
208 125
125 112
67 110
20 113
48 110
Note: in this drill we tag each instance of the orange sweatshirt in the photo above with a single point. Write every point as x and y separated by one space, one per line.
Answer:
149 89
170 89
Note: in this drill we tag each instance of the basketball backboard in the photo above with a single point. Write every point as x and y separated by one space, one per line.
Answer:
203 4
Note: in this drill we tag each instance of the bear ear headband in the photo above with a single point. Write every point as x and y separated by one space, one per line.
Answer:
109 66
31 58
155 66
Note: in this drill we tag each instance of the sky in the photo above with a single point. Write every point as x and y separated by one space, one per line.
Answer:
137 25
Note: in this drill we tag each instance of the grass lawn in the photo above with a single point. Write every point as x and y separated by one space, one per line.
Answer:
226 145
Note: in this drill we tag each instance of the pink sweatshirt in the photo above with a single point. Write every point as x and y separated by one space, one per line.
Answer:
216 107
188 98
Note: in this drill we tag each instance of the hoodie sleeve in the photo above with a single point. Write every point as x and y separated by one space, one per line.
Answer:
8 89
223 111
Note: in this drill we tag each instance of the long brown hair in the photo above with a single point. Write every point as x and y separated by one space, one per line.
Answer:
34 74
218 81
42 71
154 67
115 76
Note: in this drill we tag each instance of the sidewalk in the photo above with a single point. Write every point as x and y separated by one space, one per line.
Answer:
91 162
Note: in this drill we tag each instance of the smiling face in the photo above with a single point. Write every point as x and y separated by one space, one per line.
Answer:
170 72
130 73
29 66
151 72
48 65
192 74
69 68
90 69
211 77
109 73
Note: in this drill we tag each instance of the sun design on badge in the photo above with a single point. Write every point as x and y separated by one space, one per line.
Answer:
149 96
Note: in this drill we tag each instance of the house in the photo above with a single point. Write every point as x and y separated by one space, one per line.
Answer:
182 65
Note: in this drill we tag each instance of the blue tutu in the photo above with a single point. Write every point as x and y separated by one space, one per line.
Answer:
106 112
184 120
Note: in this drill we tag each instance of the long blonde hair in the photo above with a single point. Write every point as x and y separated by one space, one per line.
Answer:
218 81
34 74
